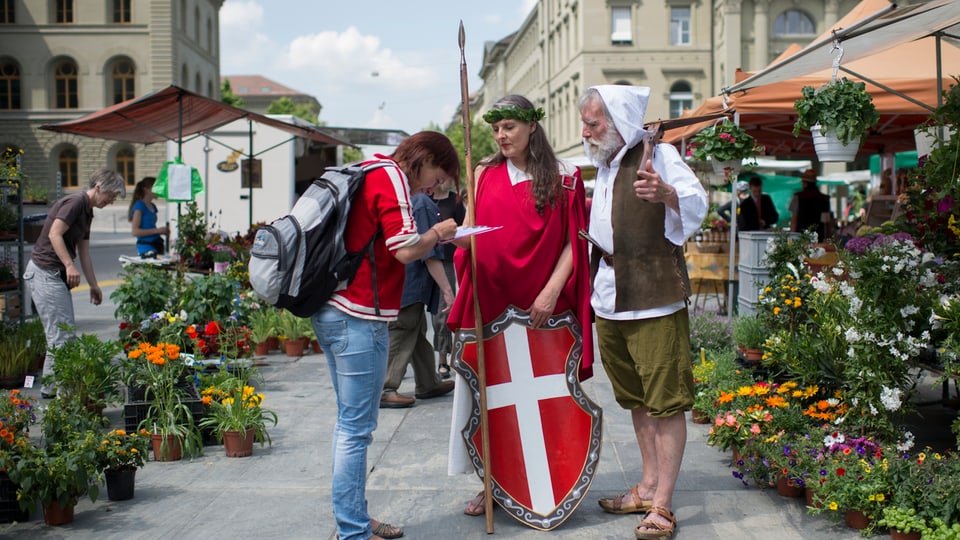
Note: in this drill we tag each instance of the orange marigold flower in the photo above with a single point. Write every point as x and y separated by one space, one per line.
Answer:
725 397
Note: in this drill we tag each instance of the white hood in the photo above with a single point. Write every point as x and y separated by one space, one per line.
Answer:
627 105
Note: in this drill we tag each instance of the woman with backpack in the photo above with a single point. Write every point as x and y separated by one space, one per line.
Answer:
352 326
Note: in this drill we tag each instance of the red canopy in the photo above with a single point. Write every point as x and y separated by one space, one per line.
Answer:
170 115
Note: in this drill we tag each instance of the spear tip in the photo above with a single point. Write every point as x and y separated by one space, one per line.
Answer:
461 36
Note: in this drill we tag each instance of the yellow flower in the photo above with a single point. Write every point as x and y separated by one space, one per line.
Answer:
833 505
880 497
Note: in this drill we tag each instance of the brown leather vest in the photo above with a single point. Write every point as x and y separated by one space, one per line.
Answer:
650 271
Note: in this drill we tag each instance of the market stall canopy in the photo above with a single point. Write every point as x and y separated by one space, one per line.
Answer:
903 82
170 115
872 27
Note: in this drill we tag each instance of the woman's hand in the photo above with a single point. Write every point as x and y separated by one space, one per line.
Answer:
446 229
542 307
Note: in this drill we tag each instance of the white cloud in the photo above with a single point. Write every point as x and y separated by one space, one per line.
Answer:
242 43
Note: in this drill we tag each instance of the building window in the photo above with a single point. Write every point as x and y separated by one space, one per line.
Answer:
123 81
65 85
680 25
64 11
125 165
681 98
793 23
183 16
621 29
196 25
209 36
121 11
9 86
7 12
67 165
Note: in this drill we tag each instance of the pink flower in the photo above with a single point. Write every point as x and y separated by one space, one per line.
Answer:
731 420
755 429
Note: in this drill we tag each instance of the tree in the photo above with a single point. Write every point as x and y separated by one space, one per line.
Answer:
285 105
482 143
352 155
227 96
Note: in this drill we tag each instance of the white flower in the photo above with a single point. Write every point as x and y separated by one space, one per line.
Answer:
890 397
833 402
906 311
907 442
852 335
820 285
873 410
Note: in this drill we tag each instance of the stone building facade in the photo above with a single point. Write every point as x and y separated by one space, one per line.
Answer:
62 59
685 50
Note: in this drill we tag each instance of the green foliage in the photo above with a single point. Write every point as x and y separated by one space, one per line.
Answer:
143 290
843 106
292 327
64 418
714 371
234 405
482 143
749 331
120 450
62 471
263 324
192 235
84 370
932 212
285 105
15 356
352 155
210 297
227 96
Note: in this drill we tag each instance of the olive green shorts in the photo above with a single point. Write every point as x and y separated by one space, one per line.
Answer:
648 362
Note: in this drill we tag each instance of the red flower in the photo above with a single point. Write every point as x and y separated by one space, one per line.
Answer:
191 332
212 328
123 326
841 471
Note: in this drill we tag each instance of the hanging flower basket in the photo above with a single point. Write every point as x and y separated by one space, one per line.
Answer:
842 109
830 148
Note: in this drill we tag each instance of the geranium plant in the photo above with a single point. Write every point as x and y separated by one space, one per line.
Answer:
725 141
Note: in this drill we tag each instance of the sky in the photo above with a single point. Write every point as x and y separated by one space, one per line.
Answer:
370 63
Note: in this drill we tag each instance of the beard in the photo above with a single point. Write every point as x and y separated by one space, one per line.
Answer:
601 151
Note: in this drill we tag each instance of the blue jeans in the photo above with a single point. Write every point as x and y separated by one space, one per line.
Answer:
356 351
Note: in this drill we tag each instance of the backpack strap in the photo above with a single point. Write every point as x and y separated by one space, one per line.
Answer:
373 269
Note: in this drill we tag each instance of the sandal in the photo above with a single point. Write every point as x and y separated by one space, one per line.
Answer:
385 530
654 530
615 505
444 371
476 506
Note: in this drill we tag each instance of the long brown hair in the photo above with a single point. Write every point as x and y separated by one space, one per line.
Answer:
139 192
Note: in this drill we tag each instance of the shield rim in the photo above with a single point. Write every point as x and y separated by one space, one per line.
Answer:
565 508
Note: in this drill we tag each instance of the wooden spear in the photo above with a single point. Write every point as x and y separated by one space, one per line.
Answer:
477 318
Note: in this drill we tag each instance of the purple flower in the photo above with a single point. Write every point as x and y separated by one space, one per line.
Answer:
945 205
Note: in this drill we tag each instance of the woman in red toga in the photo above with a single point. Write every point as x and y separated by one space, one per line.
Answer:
536 260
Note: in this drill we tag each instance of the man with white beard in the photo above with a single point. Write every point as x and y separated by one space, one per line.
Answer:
643 211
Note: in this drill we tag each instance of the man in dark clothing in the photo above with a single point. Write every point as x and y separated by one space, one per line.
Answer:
757 211
810 208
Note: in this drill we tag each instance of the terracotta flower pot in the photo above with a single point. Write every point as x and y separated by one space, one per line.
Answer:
786 488
699 417
273 342
172 452
897 535
294 347
856 519
262 349
237 444
54 514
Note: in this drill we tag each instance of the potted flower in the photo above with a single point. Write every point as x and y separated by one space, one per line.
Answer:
726 145
16 358
236 415
56 475
262 327
750 334
120 454
294 330
169 418
840 111
222 255
84 370
853 481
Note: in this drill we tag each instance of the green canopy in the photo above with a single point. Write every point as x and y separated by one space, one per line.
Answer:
901 160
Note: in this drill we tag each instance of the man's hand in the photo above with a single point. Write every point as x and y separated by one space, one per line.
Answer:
96 295
650 187
73 276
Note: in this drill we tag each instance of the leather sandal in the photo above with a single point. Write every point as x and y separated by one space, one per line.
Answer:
476 506
386 530
654 530
615 505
